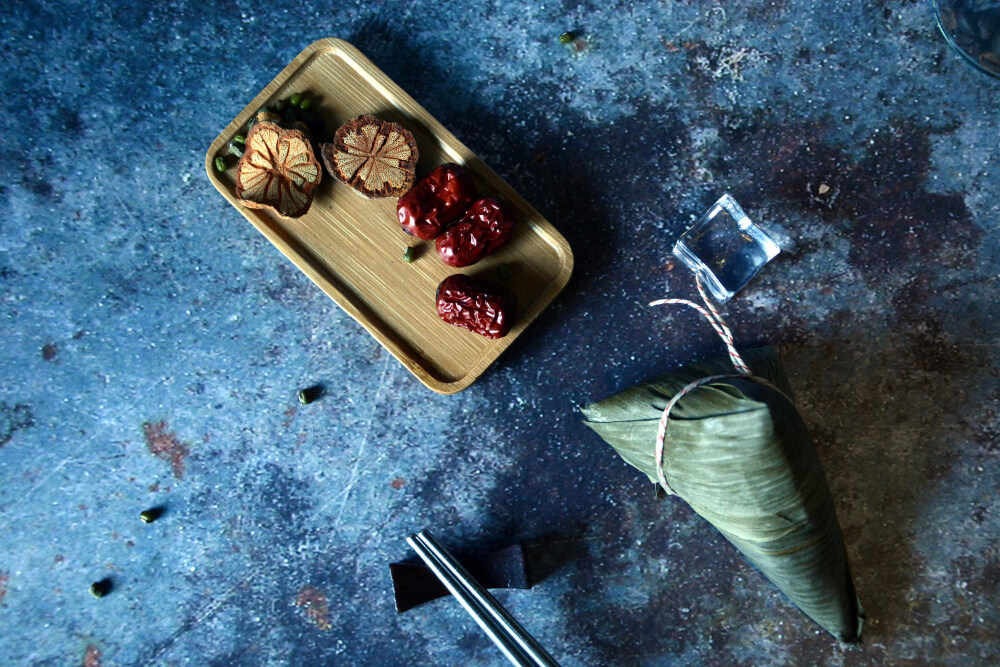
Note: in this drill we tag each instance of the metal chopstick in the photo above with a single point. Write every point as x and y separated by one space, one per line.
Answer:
493 630
512 639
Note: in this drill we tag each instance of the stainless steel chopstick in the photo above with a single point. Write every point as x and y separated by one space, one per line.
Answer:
515 642
493 630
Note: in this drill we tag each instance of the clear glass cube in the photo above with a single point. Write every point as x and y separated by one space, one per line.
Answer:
725 249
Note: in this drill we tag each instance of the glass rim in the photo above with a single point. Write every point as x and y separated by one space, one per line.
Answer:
954 45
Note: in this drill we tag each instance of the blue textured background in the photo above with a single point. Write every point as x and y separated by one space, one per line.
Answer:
153 341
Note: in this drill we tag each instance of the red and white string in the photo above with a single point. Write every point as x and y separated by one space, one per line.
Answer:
711 313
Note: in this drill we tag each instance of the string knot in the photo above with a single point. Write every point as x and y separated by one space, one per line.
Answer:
711 313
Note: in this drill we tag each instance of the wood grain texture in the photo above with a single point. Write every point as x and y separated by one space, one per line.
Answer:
352 247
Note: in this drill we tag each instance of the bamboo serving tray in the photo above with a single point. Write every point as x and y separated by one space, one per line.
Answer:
352 247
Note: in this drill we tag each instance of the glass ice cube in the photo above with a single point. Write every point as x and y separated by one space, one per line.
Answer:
725 249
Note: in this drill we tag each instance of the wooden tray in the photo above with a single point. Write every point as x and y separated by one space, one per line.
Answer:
352 247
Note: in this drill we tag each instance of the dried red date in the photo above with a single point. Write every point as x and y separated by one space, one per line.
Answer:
487 225
436 201
479 306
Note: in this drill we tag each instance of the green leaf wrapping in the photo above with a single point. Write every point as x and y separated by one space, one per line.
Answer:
740 455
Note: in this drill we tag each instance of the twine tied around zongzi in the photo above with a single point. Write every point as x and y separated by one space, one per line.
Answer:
711 313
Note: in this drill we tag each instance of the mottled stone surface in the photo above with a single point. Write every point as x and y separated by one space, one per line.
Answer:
154 341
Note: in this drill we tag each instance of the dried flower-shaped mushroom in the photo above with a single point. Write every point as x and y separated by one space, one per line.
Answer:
375 157
278 171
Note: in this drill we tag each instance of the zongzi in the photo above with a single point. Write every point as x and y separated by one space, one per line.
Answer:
740 455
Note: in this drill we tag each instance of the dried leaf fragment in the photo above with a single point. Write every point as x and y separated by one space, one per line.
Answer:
990 61
375 157
278 171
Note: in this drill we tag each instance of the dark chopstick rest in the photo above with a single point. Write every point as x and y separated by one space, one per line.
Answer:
413 583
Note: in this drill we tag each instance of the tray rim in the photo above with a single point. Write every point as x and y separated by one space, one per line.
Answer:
388 89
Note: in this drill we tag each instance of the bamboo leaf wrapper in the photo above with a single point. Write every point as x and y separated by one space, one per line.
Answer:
740 455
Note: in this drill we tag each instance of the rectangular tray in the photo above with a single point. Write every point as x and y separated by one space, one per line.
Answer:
352 247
